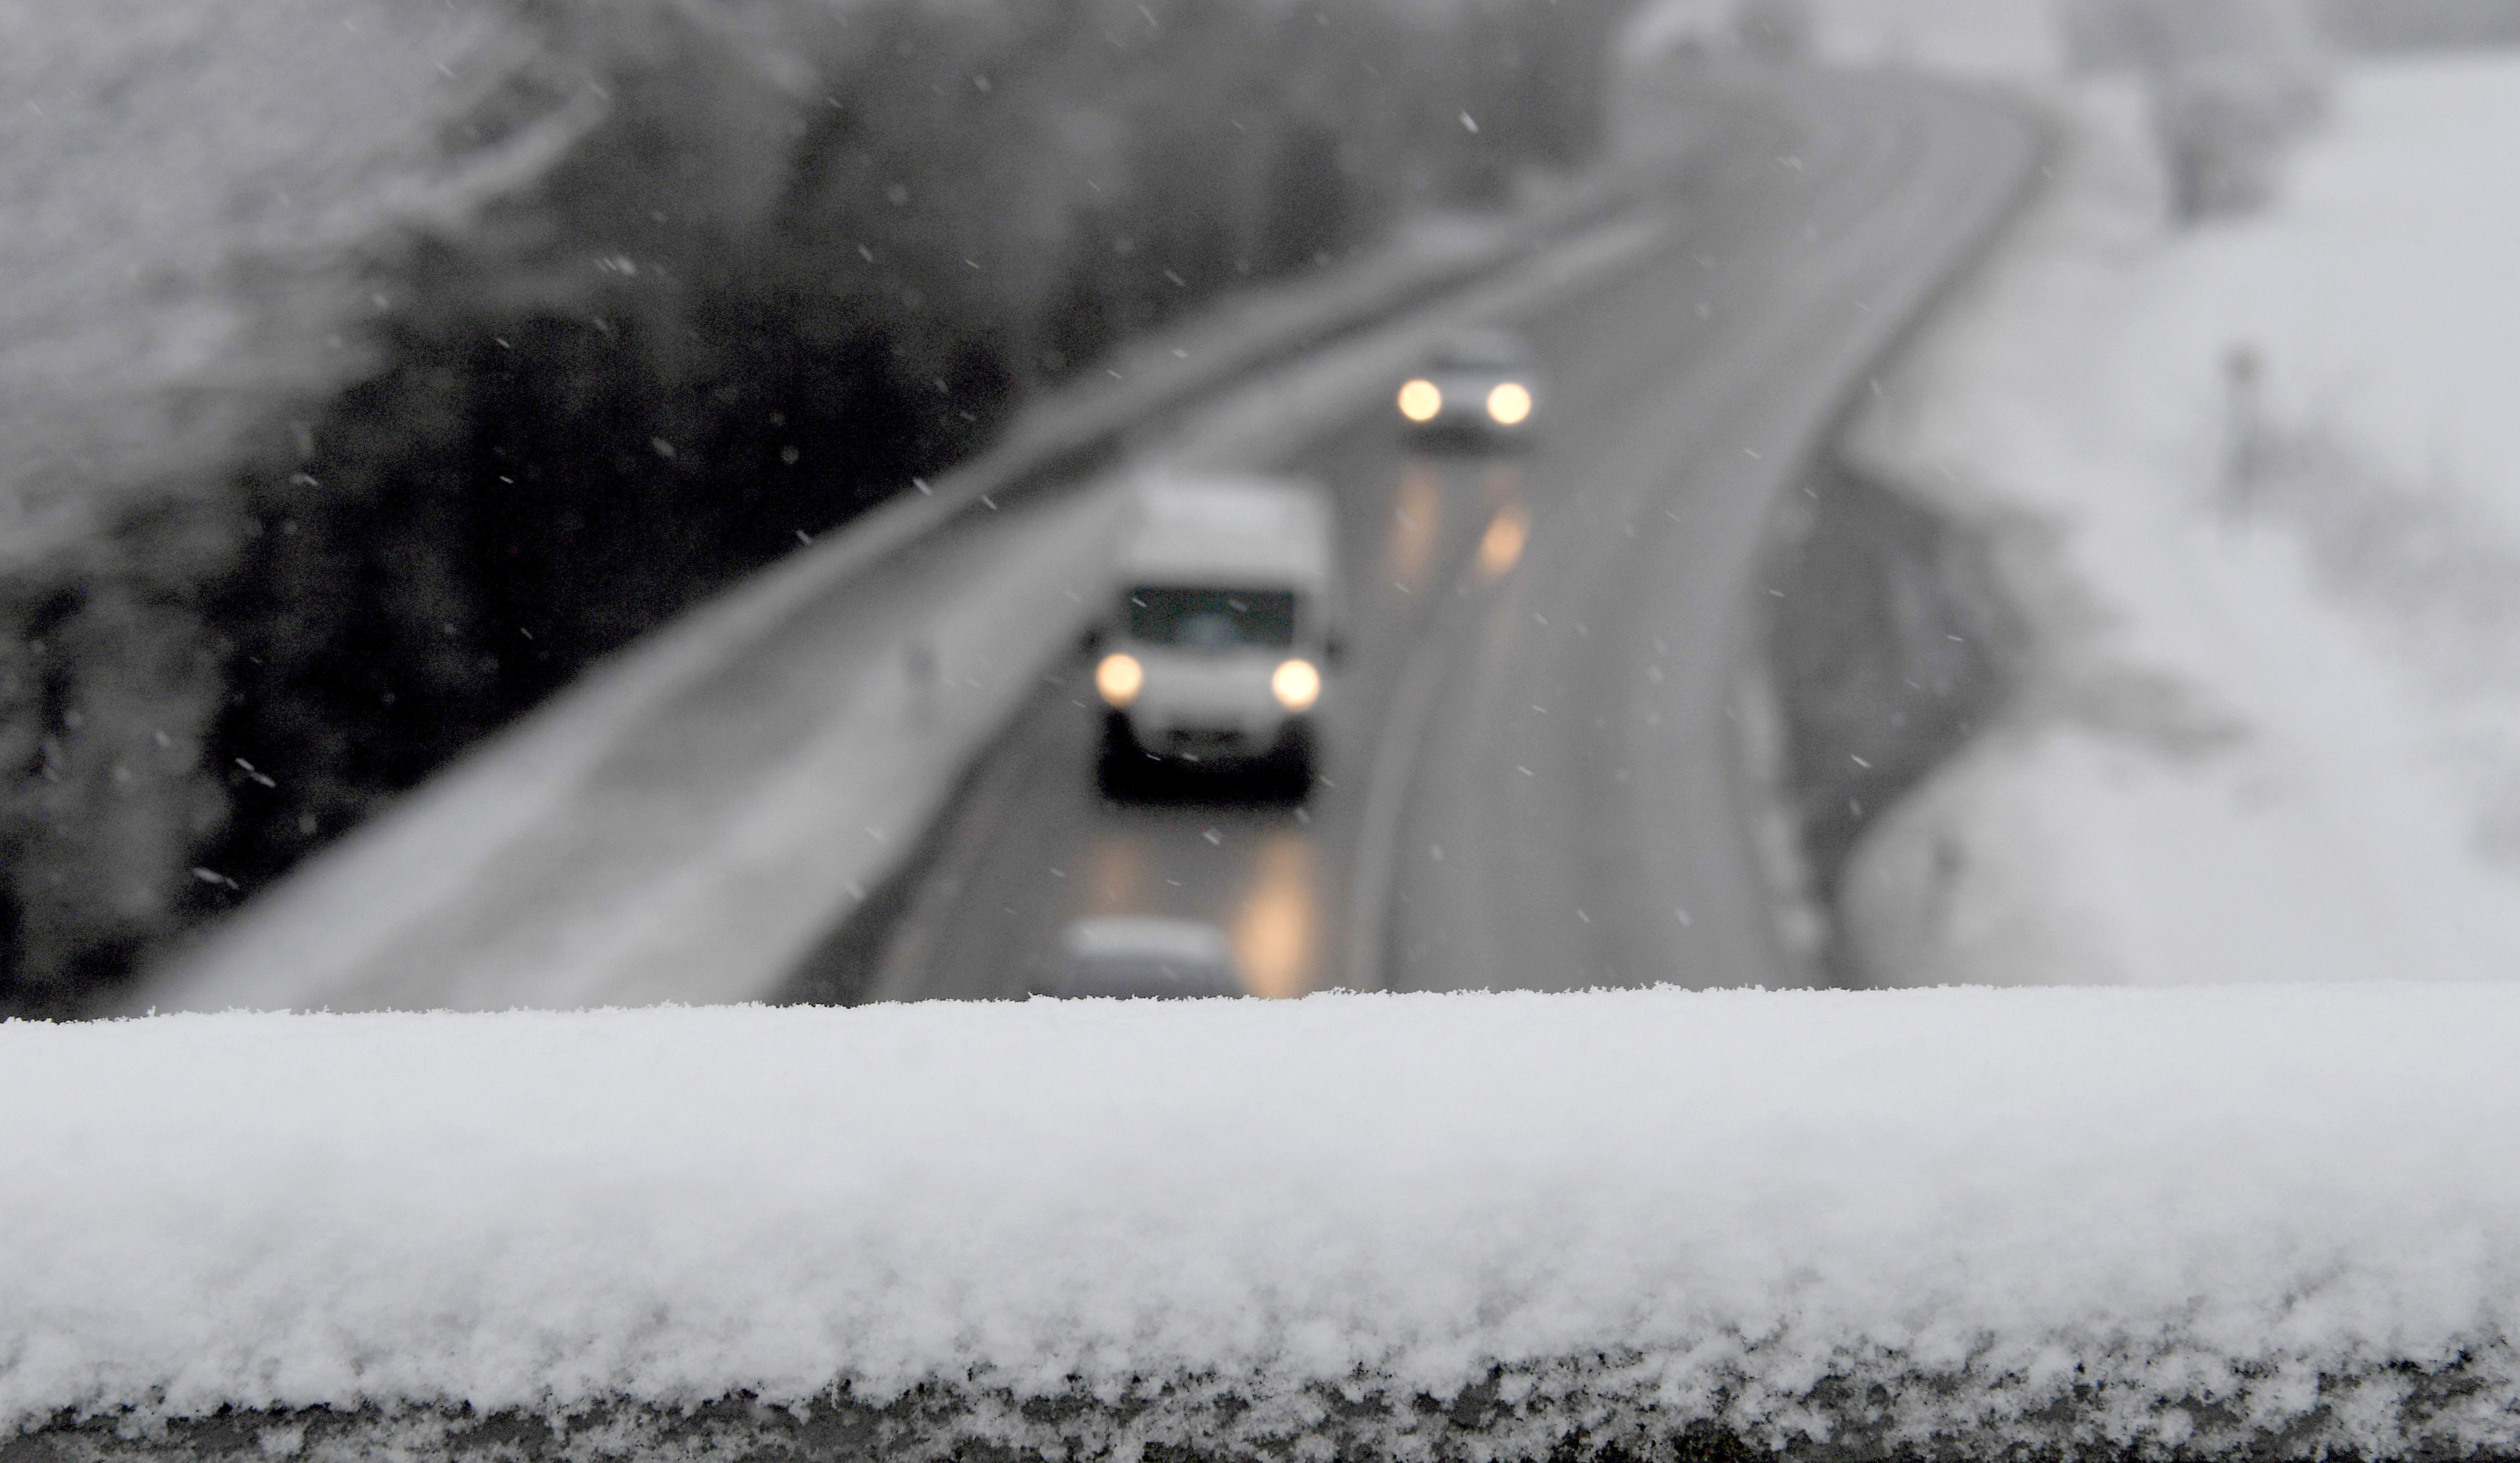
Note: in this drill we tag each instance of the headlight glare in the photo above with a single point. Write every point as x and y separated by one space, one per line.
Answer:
1510 403
1119 677
1296 684
1421 401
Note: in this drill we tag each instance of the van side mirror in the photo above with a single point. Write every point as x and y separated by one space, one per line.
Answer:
1334 648
1093 639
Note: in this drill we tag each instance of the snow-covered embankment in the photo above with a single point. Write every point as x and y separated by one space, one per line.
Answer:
2267 723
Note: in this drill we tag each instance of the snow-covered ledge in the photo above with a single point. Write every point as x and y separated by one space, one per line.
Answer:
2262 1219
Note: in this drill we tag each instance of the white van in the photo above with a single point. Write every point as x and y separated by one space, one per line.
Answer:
1224 626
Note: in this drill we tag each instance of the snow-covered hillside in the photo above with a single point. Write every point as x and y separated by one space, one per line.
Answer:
2269 722
2005 38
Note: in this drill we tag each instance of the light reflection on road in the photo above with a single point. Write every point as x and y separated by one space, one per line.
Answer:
1416 526
1509 530
1501 546
1277 933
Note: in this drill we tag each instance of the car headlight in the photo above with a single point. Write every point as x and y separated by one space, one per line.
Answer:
1421 401
1510 403
1119 677
1296 684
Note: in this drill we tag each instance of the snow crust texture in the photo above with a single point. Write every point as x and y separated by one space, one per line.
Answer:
2285 1220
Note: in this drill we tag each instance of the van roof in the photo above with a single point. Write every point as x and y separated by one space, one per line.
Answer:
1220 531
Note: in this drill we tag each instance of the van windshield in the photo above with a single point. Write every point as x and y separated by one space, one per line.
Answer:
1211 618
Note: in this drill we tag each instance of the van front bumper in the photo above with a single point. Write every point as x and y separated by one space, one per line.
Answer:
1192 743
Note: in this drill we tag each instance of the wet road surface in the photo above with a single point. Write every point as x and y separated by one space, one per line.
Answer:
1531 771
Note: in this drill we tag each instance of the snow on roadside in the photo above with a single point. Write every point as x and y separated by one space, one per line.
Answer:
1999 38
2268 732
2189 1217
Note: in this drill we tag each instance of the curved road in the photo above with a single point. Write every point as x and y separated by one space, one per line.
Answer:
1532 775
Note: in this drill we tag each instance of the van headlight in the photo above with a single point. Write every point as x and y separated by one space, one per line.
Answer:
1296 684
1421 401
1510 403
1119 677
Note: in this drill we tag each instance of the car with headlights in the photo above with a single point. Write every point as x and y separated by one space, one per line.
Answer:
1139 957
1478 389
1223 628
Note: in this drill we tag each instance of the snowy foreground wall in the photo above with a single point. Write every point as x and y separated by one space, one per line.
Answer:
2270 1221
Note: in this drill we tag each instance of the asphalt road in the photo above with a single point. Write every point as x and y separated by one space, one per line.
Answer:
1532 772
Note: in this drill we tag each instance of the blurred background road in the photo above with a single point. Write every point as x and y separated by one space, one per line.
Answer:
485 490
1532 775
